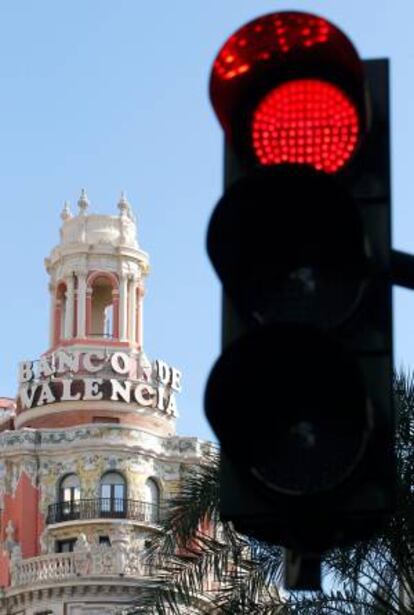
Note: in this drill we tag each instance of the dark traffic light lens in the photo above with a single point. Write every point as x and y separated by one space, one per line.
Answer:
299 253
311 454
305 121
288 404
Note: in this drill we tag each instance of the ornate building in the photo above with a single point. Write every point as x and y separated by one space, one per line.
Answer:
88 451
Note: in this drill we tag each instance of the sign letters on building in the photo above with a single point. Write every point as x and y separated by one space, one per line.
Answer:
98 375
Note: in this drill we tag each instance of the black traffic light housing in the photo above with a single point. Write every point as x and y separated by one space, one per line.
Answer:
301 398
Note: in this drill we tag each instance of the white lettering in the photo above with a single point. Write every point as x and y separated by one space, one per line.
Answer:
25 371
67 362
27 394
144 394
67 393
175 379
92 389
44 370
162 371
90 366
171 406
161 398
120 363
46 396
121 390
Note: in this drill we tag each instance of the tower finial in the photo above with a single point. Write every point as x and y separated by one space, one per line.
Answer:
66 214
124 206
83 202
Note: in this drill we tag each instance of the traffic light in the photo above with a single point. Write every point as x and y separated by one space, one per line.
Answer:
301 396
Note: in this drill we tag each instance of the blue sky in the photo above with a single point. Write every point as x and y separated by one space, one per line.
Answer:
112 95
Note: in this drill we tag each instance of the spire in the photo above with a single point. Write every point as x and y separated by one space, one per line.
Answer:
124 207
123 204
83 203
66 214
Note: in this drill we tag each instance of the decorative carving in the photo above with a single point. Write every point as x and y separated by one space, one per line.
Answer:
120 541
82 556
10 543
44 542
16 553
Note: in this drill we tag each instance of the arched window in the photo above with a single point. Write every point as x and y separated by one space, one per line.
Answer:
152 500
113 495
101 319
69 496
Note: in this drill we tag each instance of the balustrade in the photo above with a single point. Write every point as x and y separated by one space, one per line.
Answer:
52 567
95 560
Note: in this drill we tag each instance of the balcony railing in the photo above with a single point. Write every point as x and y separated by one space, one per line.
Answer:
104 508
95 560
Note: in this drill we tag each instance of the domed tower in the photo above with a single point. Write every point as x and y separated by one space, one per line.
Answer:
88 453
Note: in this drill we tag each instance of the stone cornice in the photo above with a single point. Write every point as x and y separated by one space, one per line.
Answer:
90 586
95 437
77 250
24 416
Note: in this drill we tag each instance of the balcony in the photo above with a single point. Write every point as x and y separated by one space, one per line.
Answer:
93 561
104 508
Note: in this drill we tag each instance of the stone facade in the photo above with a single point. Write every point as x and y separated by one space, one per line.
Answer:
88 451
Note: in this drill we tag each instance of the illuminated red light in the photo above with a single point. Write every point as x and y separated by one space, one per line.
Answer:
290 87
305 121
272 34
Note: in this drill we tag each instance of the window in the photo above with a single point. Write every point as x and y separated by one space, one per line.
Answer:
65 546
152 500
69 496
104 540
102 307
113 495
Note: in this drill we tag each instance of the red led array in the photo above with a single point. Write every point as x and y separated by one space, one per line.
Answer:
305 121
273 34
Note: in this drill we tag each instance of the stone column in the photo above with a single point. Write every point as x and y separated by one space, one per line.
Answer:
115 314
132 316
123 308
140 321
52 315
57 319
70 292
88 308
81 305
